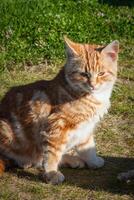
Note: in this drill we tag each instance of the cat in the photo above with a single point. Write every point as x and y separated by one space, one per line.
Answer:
50 123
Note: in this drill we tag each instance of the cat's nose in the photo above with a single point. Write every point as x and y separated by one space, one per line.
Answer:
92 87
92 83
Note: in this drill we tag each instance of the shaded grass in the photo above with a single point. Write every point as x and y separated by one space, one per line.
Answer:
80 184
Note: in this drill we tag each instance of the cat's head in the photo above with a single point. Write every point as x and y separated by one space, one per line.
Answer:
91 68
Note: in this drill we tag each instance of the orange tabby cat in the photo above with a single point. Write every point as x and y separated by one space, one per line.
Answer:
40 123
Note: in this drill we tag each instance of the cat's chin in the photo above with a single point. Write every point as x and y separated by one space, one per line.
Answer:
94 91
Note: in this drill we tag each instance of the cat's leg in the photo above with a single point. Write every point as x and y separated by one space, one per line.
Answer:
87 152
52 160
52 157
11 146
72 159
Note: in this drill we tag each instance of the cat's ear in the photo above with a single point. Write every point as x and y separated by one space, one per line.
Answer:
72 49
111 50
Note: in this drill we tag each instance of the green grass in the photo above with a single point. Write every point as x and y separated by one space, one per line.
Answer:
32 30
31 48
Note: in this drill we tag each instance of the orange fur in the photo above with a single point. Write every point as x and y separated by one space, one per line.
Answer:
2 167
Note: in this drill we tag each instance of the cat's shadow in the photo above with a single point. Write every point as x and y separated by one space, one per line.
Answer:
104 179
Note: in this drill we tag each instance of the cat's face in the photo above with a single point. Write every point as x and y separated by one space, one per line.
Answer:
91 68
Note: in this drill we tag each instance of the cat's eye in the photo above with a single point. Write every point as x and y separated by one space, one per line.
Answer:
101 73
86 74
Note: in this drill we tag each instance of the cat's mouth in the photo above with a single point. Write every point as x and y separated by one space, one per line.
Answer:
93 88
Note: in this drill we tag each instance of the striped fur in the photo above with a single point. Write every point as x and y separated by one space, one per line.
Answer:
40 123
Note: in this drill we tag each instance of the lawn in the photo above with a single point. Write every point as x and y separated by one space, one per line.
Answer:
32 48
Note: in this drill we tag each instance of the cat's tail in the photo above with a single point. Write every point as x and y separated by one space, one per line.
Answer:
6 137
2 166
6 164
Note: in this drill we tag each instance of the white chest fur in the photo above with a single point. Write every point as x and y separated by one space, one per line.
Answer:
83 130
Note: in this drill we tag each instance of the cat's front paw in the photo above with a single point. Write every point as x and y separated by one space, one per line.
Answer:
54 177
95 163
